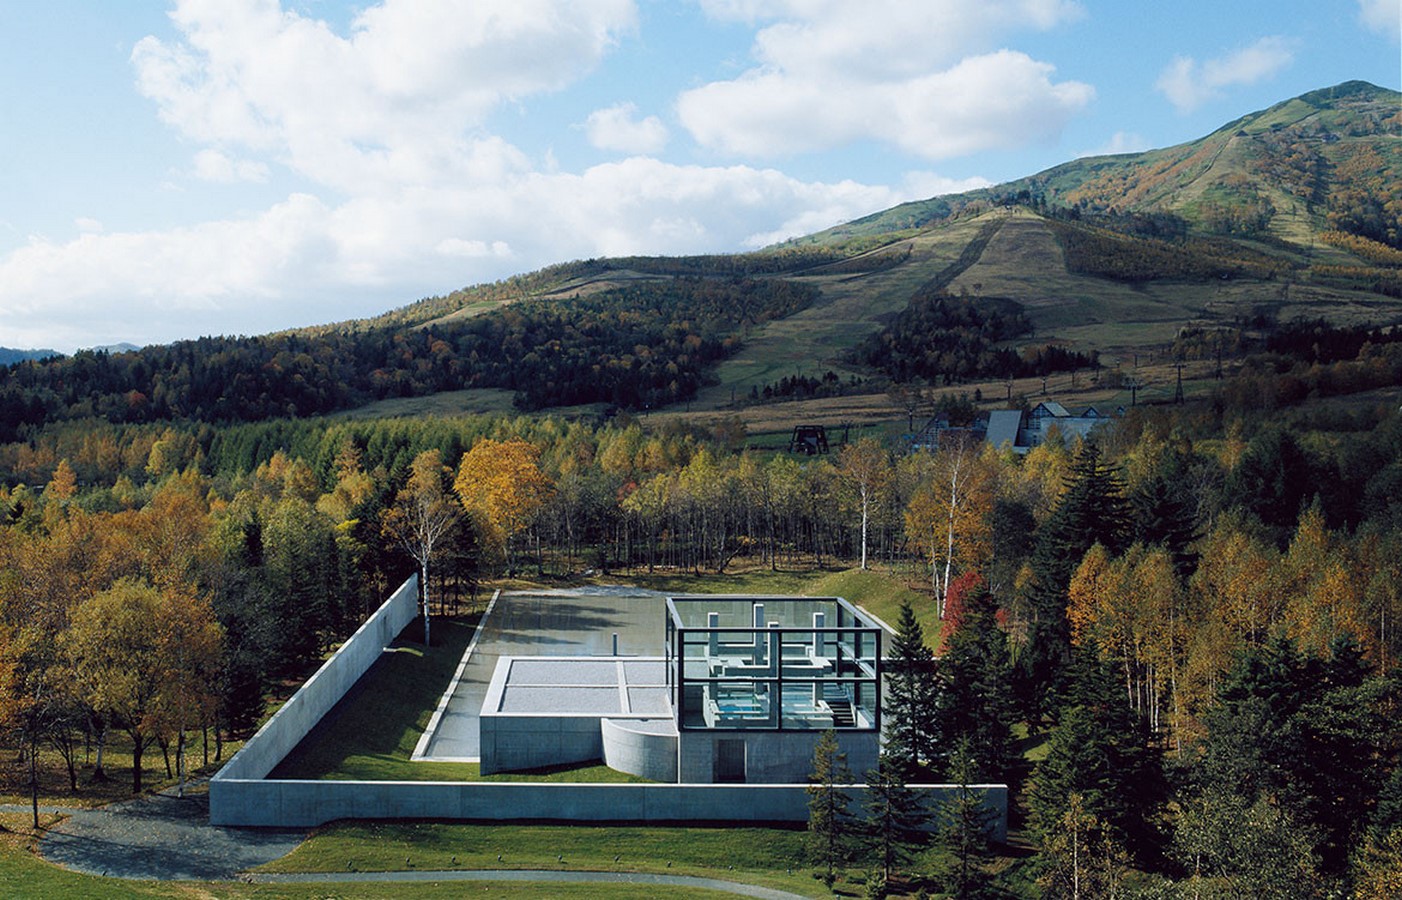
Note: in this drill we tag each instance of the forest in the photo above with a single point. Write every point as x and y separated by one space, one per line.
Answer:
637 346
1193 618
944 339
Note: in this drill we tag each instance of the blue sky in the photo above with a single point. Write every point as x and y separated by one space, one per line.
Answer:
171 170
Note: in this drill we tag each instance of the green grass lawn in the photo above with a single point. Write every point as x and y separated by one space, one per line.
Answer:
881 595
773 857
24 876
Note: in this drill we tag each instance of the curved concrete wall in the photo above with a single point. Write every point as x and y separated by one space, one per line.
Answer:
643 747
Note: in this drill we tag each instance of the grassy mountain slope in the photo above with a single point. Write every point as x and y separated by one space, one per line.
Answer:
1114 254
1296 155
1292 211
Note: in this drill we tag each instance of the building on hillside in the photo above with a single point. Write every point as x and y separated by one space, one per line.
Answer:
1018 429
745 688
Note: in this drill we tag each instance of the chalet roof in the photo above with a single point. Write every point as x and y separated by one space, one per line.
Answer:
1003 425
1051 408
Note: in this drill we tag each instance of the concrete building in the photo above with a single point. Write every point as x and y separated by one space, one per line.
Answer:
745 687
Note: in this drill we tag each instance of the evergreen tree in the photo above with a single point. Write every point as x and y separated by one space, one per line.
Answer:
965 821
895 814
976 703
911 693
1163 516
1306 734
1099 751
830 820
1092 510
1272 480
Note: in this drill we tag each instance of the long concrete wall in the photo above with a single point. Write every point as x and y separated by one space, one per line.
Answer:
280 734
304 804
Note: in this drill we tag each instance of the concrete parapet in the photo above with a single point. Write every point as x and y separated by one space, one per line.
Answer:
280 734
305 804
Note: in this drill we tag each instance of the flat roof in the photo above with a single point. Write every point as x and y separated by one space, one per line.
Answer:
578 686
735 612
571 622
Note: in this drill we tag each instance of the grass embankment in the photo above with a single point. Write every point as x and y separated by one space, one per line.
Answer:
767 856
24 876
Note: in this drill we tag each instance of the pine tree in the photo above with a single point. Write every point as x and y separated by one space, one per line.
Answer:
830 819
976 702
911 692
1099 750
1164 517
1092 510
895 813
965 821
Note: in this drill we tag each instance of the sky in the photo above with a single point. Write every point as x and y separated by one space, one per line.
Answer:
170 170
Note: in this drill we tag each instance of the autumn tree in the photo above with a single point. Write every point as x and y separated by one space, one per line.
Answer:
948 517
191 644
142 659
865 470
502 487
421 517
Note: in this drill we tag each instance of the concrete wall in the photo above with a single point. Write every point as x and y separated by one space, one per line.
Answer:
643 747
772 757
280 734
304 804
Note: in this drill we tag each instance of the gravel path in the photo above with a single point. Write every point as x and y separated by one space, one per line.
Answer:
161 837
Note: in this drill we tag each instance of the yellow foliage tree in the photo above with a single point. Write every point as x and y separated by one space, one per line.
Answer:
143 658
422 515
865 468
948 516
502 487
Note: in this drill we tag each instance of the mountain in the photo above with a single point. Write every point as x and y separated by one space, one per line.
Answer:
9 356
1189 252
1328 159
124 347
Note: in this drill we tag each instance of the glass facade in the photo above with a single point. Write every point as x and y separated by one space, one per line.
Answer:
776 663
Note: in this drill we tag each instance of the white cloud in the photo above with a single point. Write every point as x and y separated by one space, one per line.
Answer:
406 192
618 128
983 102
87 225
1189 84
1382 16
391 103
925 77
304 262
211 165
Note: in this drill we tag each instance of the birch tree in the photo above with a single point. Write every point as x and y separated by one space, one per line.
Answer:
865 468
422 515
948 516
